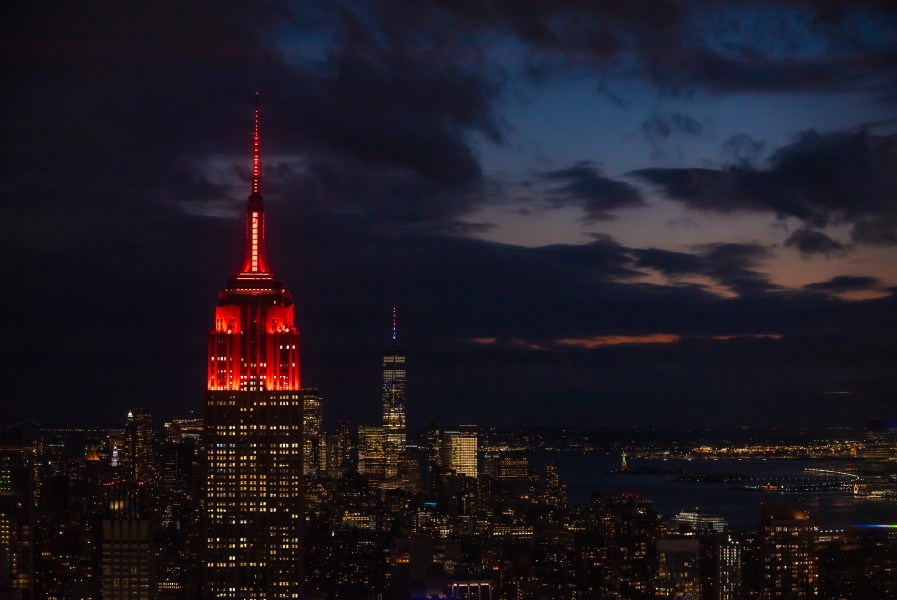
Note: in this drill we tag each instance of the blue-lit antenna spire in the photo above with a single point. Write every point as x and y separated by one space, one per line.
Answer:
393 323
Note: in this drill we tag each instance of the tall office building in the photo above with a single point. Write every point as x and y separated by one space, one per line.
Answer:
788 538
17 513
371 456
678 574
434 450
136 456
633 528
312 418
253 426
393 395
128 545
459 450
340 449
727 573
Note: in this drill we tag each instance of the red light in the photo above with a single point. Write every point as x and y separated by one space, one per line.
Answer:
254 345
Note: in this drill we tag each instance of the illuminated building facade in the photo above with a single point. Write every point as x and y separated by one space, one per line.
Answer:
506 465
881 440
727 580
678 563
371 458
555 493
699 521
434 449
788 541
137 451
312 418
459 450
17 519
633 529
393 395
253 424
179 430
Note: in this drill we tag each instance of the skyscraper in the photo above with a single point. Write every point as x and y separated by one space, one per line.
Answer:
253 425
726 580
371 459
678 573
340 449
459 450
311 430
17 502
128 545
393 394
790 568
434 451
136 456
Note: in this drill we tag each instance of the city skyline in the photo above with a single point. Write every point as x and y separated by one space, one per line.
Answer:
602 215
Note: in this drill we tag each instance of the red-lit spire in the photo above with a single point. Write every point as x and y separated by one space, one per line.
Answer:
254 345
255 257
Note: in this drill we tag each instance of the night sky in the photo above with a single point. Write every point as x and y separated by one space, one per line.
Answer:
586 213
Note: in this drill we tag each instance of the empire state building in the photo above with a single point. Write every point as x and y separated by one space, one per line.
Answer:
253 425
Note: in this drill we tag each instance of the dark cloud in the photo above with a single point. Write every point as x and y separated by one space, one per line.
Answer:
139 310
742 149
661 127
122 111
735 266
846 283
658 129
574 29
583 184
879 231
379 195
810 241
751 71
466 228
820 179
729 46
727 190
128 126
397 107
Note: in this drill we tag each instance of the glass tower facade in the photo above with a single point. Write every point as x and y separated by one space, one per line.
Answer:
393 395
459 450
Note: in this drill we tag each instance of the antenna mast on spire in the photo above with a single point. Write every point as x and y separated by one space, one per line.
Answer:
255 257
393 323
256 157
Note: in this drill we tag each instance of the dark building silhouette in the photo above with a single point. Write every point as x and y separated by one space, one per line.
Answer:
17 518
128 545
136 457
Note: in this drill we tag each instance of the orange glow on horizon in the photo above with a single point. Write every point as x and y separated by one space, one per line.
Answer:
754 336
591 343
616 340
